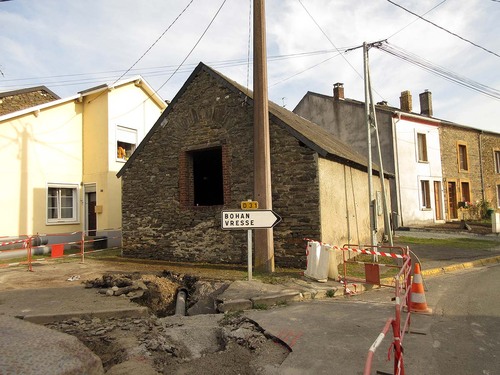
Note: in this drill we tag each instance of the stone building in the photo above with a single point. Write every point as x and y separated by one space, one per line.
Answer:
198 160
490 156
471 169
12 101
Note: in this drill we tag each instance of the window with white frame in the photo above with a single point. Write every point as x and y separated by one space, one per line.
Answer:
422 147
425 191
497 161
126 141
62 203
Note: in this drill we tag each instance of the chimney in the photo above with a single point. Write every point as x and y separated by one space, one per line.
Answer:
338 91
426 103
405 101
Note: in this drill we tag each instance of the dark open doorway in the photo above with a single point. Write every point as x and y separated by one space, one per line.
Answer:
208 177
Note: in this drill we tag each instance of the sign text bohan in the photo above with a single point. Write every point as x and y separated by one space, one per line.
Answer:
251 219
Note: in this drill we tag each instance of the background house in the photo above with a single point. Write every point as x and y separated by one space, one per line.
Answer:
471 170
490 155
410 148
438 165
12 101
60 158
198 160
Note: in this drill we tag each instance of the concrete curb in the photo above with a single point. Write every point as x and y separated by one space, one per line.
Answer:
133 312
308 292
461 266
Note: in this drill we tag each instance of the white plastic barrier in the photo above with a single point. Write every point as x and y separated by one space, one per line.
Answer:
318 261
495 222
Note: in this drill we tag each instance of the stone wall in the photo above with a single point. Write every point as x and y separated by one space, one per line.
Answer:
490 142
450 138
18 100
159 220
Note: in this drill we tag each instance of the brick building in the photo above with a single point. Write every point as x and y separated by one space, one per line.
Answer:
12 101
198 160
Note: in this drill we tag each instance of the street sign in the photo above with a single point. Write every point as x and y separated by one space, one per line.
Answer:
249 205
250 219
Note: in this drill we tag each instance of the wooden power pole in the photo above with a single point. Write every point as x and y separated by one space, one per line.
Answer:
264 245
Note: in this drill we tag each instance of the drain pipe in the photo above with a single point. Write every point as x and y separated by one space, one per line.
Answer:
180 305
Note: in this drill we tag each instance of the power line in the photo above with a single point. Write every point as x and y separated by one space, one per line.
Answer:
303 71
331 42
438 70
110 75
412 22
154 43
442 28
192 49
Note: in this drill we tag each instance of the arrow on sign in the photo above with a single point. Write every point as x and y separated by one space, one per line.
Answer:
249 219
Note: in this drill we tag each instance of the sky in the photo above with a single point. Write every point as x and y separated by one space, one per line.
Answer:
70 46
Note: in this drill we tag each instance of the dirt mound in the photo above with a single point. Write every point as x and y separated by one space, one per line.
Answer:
156 291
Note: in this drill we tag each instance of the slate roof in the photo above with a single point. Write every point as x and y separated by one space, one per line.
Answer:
395 111
309 133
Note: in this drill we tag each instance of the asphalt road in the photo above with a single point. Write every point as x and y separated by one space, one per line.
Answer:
462 336
465 326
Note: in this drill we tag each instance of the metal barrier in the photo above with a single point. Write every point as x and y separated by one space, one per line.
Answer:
400 323
372 269
27 244
402 283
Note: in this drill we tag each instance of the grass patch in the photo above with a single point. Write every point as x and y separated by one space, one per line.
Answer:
260 306
280 276
330 293
356 270
457 243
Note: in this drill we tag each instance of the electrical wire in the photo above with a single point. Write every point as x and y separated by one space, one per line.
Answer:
326 36
303 71
99 77
192 49
154 43
446 30
415 20
437 70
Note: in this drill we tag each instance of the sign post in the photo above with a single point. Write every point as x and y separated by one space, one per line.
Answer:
251 218
249 256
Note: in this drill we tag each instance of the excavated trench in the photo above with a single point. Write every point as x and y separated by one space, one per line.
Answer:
202 342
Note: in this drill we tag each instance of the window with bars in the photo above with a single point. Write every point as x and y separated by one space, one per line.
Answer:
62 204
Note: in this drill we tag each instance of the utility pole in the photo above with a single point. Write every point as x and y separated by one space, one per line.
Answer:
264 244
371 121
373 228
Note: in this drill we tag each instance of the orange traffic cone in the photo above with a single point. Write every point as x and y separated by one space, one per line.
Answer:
417 301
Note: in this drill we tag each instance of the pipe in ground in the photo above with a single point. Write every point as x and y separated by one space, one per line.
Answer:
180 306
